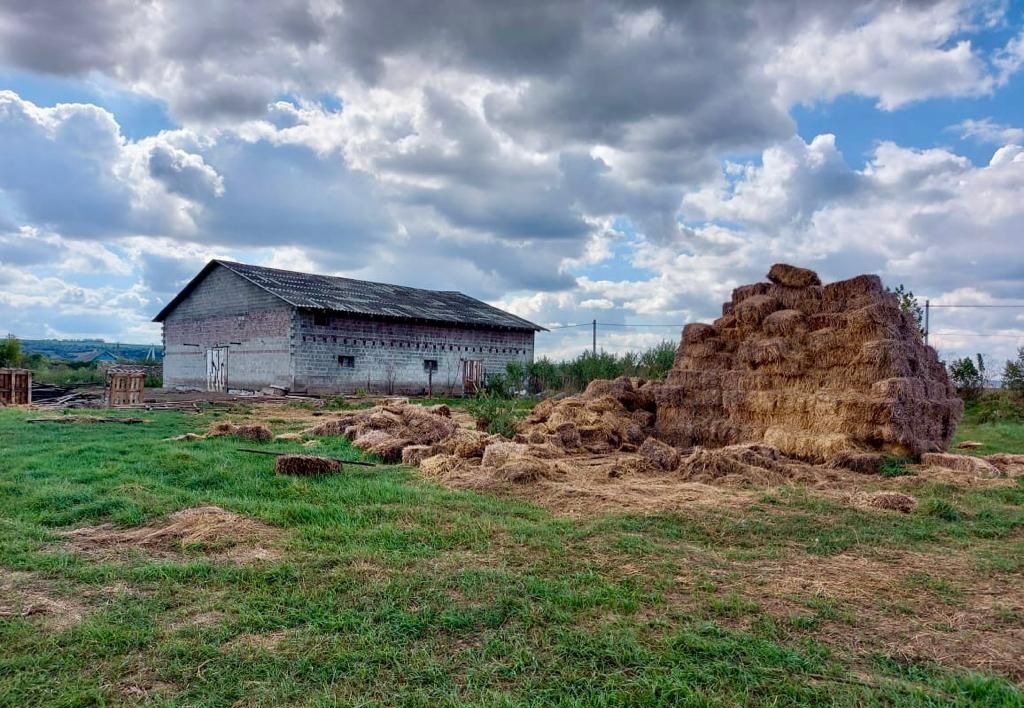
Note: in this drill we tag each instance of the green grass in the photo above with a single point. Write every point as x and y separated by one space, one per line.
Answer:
394 591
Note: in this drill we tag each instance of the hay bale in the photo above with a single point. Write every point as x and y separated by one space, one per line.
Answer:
289 437
889 501
861 462
442 466
792 276
441 409
1008 464
329 428
255 432
305 465
659 454
415 454
382 444
969 445
975 466
522 469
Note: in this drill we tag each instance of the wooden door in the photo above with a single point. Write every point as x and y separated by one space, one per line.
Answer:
217 369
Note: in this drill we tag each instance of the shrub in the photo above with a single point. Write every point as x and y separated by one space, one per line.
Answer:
968 378
495 414
1013 375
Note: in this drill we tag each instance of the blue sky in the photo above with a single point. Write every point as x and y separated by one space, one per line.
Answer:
568 163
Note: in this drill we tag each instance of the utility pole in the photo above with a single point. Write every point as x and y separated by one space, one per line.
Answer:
927 316
594 346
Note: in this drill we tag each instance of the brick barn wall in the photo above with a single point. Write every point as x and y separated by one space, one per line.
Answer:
227 310
382 350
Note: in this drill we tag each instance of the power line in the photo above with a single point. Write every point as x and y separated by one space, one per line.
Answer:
968 306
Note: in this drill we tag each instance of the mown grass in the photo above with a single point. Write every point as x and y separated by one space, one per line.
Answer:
394 591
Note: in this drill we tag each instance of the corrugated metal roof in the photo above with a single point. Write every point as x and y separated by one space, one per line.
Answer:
363 298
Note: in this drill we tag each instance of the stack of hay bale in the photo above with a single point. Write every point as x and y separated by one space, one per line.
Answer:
816 371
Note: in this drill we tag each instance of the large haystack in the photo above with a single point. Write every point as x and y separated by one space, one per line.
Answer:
813 370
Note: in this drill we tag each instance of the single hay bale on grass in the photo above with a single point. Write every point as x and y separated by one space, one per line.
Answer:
976 466
862 462
306 465
889 501
289 437
660 454
792 276
330 428
1009 464
256 432
415 454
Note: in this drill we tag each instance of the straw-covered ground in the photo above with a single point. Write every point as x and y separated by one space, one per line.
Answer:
136 567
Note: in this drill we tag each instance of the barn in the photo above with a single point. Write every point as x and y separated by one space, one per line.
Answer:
238 326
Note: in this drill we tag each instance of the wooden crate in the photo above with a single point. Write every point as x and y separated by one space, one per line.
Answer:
125 387
15 387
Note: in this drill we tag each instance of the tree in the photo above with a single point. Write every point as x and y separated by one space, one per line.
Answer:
10 351
910 305
968 377
1013 374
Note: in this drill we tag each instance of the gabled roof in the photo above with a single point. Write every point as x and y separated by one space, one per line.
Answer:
362 298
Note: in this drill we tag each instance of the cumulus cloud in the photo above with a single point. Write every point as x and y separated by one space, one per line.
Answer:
510 151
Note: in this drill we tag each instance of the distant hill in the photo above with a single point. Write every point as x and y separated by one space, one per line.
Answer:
73 349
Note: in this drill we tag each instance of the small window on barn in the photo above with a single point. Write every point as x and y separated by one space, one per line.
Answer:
430 364
320 319
346 362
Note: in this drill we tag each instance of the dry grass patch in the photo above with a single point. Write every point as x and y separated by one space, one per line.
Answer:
220 534
915 606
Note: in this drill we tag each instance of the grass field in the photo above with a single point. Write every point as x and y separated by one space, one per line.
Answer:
391 590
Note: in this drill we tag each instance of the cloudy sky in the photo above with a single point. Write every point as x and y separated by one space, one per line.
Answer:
626 161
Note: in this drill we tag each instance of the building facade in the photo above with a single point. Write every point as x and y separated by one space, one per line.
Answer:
237 326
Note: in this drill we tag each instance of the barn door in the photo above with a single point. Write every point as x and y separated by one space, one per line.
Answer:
217 369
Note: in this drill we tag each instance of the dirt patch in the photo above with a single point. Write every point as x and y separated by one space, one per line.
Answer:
911 605
219 534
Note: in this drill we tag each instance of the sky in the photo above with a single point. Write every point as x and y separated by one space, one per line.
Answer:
624 161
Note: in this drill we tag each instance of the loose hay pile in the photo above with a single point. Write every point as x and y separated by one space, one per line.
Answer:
306 465
209 529
814 370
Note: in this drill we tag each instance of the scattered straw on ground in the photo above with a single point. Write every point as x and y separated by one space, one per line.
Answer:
912 605
306 465
889 501
33 596
220 534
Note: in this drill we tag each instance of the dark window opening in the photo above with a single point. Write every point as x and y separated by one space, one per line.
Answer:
321 319
430 364
346 362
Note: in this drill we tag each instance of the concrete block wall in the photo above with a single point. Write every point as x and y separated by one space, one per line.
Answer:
226 310
395 351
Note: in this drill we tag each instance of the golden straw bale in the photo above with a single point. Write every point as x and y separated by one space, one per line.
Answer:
785 323
289 437
975 466
808 446
415 454
744 292
330 428
381 443
522 469
659 454
1008 464
752 311
792 276
254 432
697 332
442 466
441 409
862 462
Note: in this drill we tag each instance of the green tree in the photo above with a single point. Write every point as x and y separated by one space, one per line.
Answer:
1013 374
10 351
968 377
910 305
